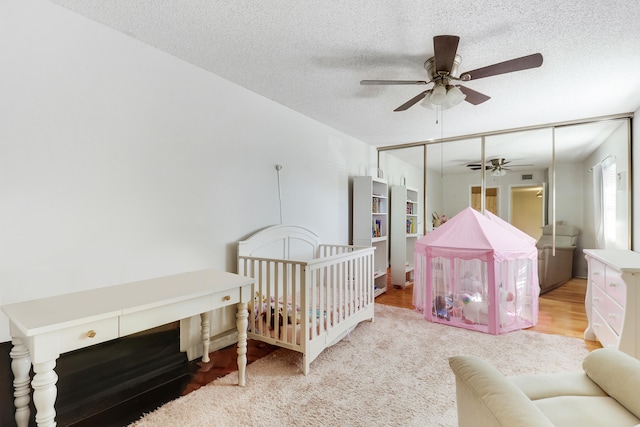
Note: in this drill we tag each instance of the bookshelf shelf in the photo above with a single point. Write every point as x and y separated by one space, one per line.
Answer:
371 223
404 233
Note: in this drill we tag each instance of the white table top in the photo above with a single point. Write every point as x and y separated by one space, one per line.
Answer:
621 259
46 314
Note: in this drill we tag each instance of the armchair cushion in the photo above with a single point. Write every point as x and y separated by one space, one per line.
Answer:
605 394
486 398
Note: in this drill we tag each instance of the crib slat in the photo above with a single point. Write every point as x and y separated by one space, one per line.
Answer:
321 294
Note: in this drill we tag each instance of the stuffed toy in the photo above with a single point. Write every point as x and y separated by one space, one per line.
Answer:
441 308
272 316
476 311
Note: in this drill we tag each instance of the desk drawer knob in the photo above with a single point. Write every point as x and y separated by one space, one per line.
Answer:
227 297
91 333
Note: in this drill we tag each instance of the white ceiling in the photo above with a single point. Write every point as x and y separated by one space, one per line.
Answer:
311 55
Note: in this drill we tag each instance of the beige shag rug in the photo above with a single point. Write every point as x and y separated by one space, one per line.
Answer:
390 372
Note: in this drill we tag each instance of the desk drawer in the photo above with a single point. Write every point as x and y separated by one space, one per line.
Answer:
223 299
604 333
88 334
131 323
608 309
142 320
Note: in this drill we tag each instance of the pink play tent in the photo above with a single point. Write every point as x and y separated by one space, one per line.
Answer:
477 272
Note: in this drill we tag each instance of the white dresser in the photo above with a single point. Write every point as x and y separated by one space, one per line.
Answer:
613 299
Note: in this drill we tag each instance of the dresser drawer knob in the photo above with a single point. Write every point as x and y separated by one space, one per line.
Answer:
227 297
91 333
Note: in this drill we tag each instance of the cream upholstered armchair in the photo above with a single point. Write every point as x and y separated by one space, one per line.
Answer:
553 271
604 393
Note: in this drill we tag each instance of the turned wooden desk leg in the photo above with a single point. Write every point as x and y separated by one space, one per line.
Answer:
205 325
45 393
242 323
21 365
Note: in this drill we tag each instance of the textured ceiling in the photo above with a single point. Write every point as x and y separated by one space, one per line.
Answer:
311 55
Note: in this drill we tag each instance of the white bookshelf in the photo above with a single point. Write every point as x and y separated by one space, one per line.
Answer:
404 233
371 223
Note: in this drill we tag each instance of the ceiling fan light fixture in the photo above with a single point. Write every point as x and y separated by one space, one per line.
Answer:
498 172
426 102
438 94
454 96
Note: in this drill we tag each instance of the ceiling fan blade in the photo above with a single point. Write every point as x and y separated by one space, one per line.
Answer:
473 97
517 64
412 101
444 48
393 82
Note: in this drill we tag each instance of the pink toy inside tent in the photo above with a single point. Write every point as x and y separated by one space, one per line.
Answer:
479 273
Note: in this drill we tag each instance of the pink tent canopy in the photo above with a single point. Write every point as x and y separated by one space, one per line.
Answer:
508 266
470 235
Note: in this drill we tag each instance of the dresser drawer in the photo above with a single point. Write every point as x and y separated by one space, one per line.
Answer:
608 309
597 272
604 333
615 286
88 334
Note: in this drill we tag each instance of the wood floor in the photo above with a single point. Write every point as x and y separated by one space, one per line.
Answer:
561 311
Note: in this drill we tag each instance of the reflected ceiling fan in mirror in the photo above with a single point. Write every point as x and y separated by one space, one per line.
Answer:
497 167
442 71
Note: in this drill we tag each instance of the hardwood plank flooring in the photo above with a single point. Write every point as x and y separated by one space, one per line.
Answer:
560 312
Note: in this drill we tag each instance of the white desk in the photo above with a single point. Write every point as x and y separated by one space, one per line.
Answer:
43 329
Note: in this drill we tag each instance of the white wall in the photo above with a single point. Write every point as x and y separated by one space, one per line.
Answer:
119 162
457 187
435 197
570 196
395 170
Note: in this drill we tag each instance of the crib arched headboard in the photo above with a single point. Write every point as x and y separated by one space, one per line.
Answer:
282 242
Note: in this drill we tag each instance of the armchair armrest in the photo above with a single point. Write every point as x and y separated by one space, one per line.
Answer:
618 374
486 398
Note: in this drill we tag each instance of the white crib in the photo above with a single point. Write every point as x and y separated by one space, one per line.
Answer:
307 295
